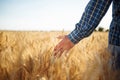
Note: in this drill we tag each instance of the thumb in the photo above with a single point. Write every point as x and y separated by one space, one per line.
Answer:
61 37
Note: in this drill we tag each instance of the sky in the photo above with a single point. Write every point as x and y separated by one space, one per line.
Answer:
44 15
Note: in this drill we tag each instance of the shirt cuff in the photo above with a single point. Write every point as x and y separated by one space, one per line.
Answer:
74 38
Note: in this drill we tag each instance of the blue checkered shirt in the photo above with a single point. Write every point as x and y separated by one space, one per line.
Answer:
94 12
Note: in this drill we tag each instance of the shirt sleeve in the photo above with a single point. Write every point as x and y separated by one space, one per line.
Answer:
90 19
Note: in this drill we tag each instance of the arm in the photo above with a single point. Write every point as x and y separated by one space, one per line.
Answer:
91 17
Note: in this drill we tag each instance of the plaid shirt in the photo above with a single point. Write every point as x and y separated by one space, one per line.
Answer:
94 12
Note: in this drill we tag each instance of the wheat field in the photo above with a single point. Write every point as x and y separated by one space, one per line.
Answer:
28 55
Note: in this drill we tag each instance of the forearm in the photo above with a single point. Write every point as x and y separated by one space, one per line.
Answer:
91 17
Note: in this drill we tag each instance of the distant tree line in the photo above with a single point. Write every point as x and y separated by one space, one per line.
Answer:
101 29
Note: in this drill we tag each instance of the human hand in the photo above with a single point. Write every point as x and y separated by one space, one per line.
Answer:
63 46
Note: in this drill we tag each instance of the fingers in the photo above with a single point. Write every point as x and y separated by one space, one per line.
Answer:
58 52
62 46
57 49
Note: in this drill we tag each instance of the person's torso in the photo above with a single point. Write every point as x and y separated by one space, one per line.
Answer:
114 34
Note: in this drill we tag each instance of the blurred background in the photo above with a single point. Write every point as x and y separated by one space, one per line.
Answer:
44 15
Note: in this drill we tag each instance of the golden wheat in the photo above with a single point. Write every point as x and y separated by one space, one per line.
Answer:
28 56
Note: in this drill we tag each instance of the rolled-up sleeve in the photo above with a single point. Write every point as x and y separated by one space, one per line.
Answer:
90 19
